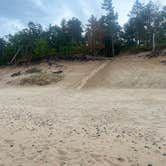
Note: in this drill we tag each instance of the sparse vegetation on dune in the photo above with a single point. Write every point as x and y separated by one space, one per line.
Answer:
36 76
41 79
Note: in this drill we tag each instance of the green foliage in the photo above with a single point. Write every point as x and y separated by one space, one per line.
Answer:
112 28
2 50
145 21
74 30
41 48
2 46
103 36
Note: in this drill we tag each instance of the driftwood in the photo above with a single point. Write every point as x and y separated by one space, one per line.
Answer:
14 57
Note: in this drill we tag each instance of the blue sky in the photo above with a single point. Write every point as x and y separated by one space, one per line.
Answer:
15 14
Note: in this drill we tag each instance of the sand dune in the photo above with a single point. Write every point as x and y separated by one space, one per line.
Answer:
109 113
128 72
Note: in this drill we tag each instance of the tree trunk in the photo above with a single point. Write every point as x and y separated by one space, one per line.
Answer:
154 44
113 48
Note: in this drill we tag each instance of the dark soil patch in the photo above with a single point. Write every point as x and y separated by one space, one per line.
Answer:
33 70
57 72
163 62
41 79
16 74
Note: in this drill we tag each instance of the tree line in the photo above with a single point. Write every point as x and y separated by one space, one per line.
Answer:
101 37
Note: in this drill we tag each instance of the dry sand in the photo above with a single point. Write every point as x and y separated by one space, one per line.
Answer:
110 113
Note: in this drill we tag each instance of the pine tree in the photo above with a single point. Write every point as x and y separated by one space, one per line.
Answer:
112 27
95 34
2 46
137 22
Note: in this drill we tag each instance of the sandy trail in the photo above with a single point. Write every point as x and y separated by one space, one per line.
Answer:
107 122
85 81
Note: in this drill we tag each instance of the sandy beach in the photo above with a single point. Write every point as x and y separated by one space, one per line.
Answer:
102 113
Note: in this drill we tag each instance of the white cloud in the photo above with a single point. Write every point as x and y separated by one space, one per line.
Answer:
52 13
86 8
9 26
65 12
40 4
48 12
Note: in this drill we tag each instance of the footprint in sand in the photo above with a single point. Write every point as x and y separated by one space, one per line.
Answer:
61 152
97 157
120 159
9 142
62 155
